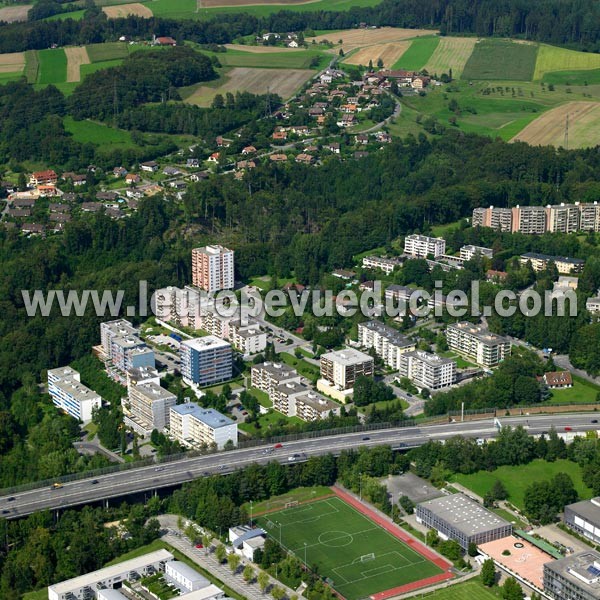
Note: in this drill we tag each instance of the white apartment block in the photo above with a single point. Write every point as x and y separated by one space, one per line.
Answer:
387 265
530 219
294 399
341 367
184 576
92 584
388 343
123 348
421 246
593 305
496 218
69 394
477 344
213 268
179 305
268 376
248 339
564 264
468 252
148 405
427 370
110 330
563 218
196 427
206 360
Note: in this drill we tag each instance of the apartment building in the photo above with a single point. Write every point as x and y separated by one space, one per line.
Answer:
48 177
584 518
148 404
470 251
70 395
589 217
248 339
213 268
593 305
564 264
206 360
295 399
387 265
123 349
477 344
563 218
268 376
181 306
388 343
496 218
196 427
341 367
110 330
421 246
427 370
575 577
529 219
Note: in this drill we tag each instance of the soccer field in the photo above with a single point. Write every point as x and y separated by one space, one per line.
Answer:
357 555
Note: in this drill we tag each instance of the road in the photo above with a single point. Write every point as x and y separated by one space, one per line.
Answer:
149 478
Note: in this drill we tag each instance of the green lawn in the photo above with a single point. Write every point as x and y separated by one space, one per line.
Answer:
517 479
418 53
301 494
553 58
469 590
86 70
98 133
76 15
303 367
442 230
6 77
262 397
573 77
501 59
336 539
53 66
582 391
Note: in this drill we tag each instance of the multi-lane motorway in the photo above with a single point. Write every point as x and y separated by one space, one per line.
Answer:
151 478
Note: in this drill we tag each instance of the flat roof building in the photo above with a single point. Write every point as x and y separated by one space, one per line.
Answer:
427 370
575 577
584 518
422 246
147 406
268 376
564 264
458 517
342 367
388 343
186 578
213 268
195 427
469 251
478 344
69 394
206 360
88 585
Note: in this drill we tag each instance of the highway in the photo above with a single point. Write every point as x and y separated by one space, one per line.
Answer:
150 478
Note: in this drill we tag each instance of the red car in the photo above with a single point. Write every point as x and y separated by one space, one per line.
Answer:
276 446
199 546
568 429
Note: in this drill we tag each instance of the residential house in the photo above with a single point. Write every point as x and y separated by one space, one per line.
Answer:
33 229
278 157
362 139
334 147
91 206
107 196
48 177
119 172
59 208
165 41
19 213
315 111
557 380
293 44
245 164
347 121
150 167
192 163
306 159
280 135
172 171
132 178
248 150
214 157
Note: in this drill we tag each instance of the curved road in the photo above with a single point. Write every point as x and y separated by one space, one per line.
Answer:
151 478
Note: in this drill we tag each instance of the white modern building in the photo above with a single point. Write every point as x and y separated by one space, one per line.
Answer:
206 361
148 404
342 367
91 585
184 577
470 251
295 399
422 246
246 540
382 263
388 343
196 427
213 268
268 376
477 344
593 305
69 394
427 370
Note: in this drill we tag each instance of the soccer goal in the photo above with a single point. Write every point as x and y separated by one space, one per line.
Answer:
291 504
270 524
367 557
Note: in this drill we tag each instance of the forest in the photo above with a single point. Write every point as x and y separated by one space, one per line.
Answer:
575 23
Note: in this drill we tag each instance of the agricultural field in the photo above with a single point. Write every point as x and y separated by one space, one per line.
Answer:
76 57
357 554
549 128
419 53
11 66
295 59
107 51
75 15
123 10
501 59
388 53
258 81
12 14
517 479
552 58
53 66
359 38
451 53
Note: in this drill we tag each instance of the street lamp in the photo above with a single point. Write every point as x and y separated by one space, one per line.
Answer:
305 563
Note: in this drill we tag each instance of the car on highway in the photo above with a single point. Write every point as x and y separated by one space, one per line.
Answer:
594 421
366 438
56 486
245 413
11 499
408 395
568 428
159 469
293 457
277 446
199 546
5 511
94 482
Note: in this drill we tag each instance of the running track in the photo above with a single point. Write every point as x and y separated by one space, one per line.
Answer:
408 540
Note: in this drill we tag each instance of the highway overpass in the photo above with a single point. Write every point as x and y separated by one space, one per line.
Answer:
165 475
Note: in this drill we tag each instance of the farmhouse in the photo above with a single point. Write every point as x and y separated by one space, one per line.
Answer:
165 41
